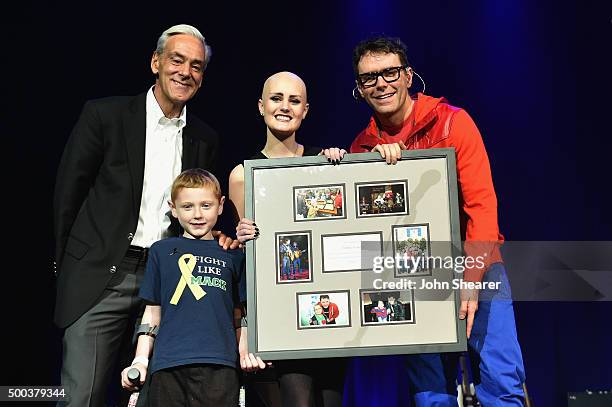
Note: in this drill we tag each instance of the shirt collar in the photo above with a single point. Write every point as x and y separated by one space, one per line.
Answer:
155 116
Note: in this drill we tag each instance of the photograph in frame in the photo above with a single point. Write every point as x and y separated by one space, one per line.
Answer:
386 307
319 202
323 309
411 249
350 251
386 198
293 254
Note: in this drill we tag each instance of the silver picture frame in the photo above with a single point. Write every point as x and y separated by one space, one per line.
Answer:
431 198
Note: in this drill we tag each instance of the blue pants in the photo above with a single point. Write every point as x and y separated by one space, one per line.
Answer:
297 263
428 382
286 268
494 344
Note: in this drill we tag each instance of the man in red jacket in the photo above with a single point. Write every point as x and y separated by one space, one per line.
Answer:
401 122
330 309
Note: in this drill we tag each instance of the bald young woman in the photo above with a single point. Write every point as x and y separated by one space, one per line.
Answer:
283 105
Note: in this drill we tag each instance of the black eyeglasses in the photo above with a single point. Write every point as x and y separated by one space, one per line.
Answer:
367 80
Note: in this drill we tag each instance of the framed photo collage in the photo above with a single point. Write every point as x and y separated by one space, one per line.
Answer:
312 288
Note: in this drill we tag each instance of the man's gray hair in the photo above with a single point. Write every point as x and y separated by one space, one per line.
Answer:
187 30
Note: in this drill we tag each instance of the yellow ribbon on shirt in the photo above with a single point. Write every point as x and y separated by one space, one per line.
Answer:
185 280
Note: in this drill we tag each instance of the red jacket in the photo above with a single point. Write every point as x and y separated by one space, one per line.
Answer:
433 123
338 200
334 311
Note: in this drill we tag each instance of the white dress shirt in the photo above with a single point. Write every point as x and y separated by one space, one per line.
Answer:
163 152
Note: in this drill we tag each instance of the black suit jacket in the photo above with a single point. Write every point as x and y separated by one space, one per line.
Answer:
98 192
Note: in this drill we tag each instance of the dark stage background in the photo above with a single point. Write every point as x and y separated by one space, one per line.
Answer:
533 74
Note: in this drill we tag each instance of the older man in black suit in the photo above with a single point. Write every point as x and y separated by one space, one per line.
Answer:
110 205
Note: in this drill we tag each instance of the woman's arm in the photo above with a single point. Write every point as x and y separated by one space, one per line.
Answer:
246 229
236 190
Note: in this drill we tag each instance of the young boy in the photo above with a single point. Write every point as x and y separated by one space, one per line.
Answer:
380 311
318 318
191 285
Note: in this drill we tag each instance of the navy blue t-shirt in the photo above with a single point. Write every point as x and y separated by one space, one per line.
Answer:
194 330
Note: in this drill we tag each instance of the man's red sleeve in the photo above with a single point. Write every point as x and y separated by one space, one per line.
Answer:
479 203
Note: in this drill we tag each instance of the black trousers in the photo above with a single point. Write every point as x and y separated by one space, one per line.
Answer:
200 385
98 345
